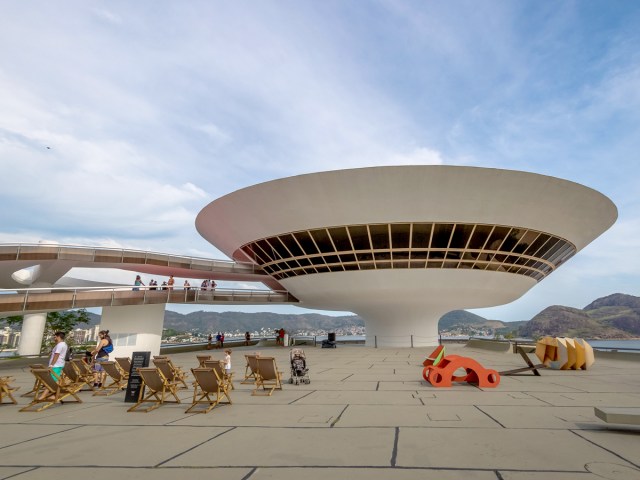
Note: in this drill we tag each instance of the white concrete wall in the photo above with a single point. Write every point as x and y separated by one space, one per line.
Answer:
134 328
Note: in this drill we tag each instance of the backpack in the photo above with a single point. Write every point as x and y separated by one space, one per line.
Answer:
69 355
108 348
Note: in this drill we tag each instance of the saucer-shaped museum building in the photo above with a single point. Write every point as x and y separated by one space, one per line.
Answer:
401 246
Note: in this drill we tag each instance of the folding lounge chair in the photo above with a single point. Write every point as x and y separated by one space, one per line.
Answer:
170 372
118 382
6 389
251 369
35 383
125 365
158 388
209 383
167 358
218 366
202 359
72 373
57 390
268 377
84 368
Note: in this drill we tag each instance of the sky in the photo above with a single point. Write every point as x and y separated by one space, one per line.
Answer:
120 121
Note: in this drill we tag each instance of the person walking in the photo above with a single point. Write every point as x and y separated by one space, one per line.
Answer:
227 362
58 354
222 340
101 354
56 361
247 338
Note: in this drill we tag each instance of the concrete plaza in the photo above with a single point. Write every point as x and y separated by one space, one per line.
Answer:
366 414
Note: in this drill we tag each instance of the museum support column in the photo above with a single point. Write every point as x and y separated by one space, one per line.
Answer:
33 325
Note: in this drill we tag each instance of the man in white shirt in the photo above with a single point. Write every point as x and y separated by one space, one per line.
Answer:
58 354
56 360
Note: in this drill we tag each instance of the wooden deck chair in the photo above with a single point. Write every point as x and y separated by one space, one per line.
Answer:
268 377
118 382
175 367
57 390
434 357
6 390
71 372
36 382
251 369
84 368
202 359
158 388
207 383
125 365
218 366
170 372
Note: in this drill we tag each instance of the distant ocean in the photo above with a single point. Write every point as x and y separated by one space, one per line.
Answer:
617 344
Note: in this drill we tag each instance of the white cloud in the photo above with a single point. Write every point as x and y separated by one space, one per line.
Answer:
152 113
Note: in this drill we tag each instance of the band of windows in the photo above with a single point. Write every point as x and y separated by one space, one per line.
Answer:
515 250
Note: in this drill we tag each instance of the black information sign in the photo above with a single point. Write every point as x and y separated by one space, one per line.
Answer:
138 360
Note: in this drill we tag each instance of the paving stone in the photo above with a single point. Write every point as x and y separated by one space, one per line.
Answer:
625 442
478 448
368 474
414 416
294 447
125 445
108 473
547 417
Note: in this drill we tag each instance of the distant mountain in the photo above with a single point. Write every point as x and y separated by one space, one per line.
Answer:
615 300
460 317
614 316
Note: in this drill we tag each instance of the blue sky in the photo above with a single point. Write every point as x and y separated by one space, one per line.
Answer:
153 109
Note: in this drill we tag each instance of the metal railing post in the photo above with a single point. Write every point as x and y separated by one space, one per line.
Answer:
375 341
24 304
412 341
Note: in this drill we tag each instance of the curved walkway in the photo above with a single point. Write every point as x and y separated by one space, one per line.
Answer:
56 260
32 300
14 257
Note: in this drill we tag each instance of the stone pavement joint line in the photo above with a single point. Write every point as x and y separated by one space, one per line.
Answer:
608 450
367 415
195 446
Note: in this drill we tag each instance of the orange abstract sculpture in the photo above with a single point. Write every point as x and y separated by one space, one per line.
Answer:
435 356
442 375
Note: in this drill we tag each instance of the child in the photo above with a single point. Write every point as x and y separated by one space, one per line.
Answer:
227 362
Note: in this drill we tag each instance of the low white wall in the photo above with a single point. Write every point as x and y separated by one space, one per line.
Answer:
134 328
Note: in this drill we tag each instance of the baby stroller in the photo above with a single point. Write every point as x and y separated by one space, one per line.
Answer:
299 370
